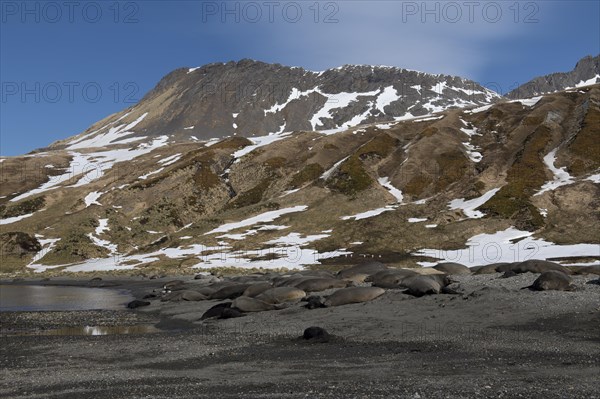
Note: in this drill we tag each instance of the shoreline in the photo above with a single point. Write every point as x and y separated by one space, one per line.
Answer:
492 340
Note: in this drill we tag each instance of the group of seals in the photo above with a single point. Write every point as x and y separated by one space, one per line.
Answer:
364 282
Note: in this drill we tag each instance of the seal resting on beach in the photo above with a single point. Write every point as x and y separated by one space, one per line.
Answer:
490 269
247 304
316 334
137 303
321 284
257 289
281 294
174 285
221 311
390 278
353 295
552 280
538 266
363 268
452 268
230 291
313 302
185 295
422 285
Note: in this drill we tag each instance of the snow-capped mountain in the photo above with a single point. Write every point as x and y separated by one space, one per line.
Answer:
251 98
339 164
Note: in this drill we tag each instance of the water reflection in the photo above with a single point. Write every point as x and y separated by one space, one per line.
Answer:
48 298
96 330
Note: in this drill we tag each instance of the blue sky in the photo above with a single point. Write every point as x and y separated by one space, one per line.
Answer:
64 67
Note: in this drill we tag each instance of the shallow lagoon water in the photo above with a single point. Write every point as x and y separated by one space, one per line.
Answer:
32 298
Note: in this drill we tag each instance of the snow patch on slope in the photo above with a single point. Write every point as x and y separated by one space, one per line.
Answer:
561 176
469 206
262 218
497 247
385 182
113 134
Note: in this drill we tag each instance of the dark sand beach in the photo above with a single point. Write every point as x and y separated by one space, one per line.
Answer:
491 340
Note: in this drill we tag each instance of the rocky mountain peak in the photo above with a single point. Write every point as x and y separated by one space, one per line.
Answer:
253 98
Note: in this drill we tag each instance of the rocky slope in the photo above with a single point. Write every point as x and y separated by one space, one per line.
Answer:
586 72
505 181
251 98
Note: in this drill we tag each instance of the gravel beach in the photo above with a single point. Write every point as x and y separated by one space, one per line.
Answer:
493 339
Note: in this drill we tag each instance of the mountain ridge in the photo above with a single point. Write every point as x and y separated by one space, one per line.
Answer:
520 174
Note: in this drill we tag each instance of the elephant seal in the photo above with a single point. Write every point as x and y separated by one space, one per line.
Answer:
488 269
505 267
281 294
316 273
390 278
320 284
313 302
215 311
452 268
257 289
206 290
184 295
230 313
173 285
552 280
363 268
358 278
247 304
230 291
422 285
137 303
538 266
353 295
316 334
290 281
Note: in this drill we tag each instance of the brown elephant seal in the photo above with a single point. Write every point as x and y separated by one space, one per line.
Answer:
539 266
316 334
317 273
390 278
452 268
552 280
247 304
257 289
353 295
357 278
321 284
488 269
291 281
422 285
363 268
183 295
230 291
206 290
173 285
281 294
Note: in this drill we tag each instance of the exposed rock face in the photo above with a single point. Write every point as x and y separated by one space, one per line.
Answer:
18 244
587 70
248 98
